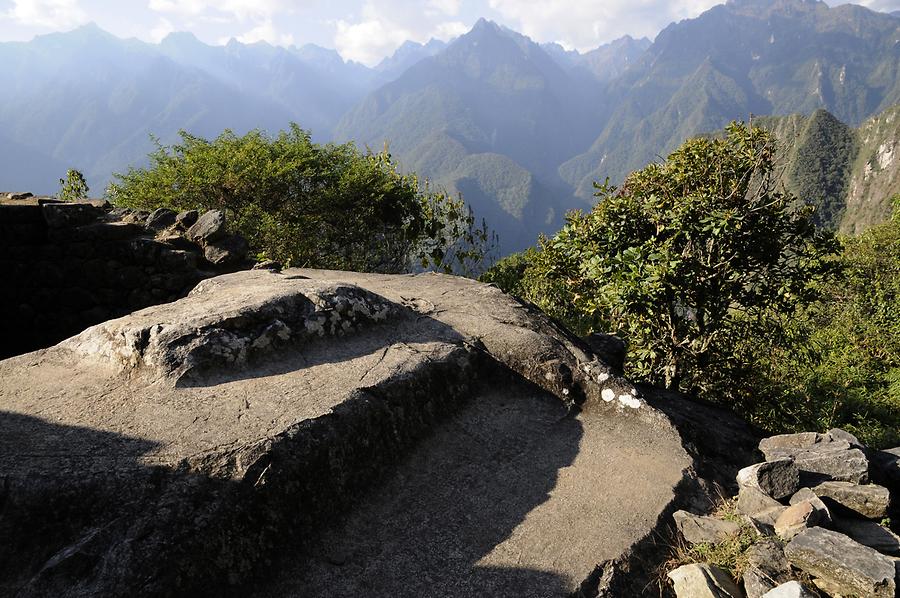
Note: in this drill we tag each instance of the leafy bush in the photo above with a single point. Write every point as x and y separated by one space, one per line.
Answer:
694 262
848 373
73 187
304 204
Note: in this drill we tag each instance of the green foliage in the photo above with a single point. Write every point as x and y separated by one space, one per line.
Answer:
694 262
850 374
73 187
304 204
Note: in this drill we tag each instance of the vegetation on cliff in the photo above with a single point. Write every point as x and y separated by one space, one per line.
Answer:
305 204
723 287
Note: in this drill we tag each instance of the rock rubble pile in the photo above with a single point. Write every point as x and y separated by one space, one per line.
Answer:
820 509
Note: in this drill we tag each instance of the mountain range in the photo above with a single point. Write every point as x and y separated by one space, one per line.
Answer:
849 173
521 129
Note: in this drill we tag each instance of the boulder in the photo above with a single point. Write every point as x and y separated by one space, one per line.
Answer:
820 457
208 228
227 251
791 589
868 533
778 479
805 494
842 563
160 219
777 447
703 581
185 220
766 568
836 434
870 501
797 518
845 466
268 265
697 529
757 504
19 196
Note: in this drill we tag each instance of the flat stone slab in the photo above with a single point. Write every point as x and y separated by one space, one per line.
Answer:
509 497
862 500
842 563
127 472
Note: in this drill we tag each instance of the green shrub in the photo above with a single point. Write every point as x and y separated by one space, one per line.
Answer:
694 262
305 204
73 187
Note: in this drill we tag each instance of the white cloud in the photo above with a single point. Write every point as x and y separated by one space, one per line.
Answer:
266 32
241 10
383 25
368 41
446 7
585 24
52 14
163 28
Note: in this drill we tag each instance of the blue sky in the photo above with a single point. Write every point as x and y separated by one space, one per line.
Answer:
362 30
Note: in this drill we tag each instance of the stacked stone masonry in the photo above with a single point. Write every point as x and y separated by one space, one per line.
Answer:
68 266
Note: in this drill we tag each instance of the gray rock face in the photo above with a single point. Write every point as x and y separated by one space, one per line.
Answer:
791 589
759 505
820 457
797 518
208 228
160 219
868 533
227 251
778 479
870 501
846 466
766 568
703 581
697 529
836 434
786 445
842 563
421 430
228 320
185 220
807 495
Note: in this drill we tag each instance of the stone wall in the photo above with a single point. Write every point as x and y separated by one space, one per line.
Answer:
67 266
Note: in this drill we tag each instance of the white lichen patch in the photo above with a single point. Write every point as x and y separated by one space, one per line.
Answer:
608 395
630 401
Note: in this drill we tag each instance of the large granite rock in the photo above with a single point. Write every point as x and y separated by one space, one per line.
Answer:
428 435
842 564
869 500
779 478
820 457
766 568
869 533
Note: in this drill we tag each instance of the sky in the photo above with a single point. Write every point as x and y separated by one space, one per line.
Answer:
362 30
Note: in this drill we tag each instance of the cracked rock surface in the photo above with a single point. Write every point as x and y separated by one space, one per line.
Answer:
317 433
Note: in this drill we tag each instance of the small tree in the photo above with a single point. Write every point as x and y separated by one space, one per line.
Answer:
74 187
305 204
693 261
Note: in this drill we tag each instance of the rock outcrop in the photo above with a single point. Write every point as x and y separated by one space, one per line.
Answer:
315 433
